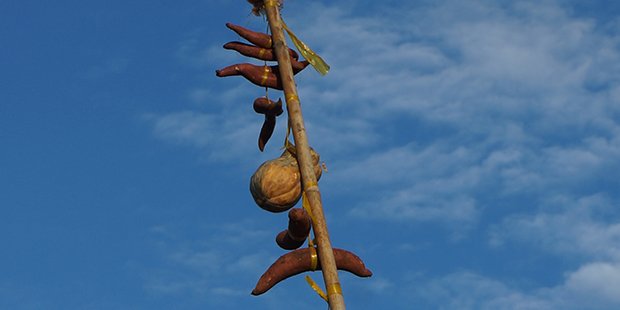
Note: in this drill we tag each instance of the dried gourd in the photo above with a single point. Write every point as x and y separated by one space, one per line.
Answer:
276 184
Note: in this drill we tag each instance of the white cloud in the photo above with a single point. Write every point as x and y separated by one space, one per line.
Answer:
521 98
585 227
465 290
597 281
222 138
593 286
510 86
205 267
582 229
462 112
429 185
475 64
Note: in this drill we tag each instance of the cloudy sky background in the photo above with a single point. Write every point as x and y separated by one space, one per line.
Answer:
472 147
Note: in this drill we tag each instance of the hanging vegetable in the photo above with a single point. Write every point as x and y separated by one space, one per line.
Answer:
295 235
267 76
303 260
276 184
270 109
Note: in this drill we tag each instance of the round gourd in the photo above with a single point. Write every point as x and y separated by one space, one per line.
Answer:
276 184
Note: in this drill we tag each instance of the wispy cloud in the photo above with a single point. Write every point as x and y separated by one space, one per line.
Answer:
500 94
586 227
593 286
222 138
487 94
517 106
464 113
205 267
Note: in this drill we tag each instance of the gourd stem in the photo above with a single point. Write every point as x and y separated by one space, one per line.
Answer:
309 182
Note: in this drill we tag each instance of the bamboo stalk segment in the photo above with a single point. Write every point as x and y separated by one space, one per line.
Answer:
310 185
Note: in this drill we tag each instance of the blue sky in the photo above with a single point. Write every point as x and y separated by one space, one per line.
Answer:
473 149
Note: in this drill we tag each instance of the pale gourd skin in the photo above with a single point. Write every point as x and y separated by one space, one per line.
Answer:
276 184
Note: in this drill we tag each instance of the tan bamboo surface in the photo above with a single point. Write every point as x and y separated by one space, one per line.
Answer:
310 185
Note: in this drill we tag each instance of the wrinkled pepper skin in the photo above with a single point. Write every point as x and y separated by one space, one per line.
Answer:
298 261
266 76
270 109
265 106
259 39
299 224
261 53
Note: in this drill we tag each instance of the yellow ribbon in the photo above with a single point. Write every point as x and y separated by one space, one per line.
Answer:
291 97
306 205
287 143
310 185
314 261
334 289
261 52
315 60
265 76
316 288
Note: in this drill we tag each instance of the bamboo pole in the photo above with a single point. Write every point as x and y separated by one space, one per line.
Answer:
310 185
